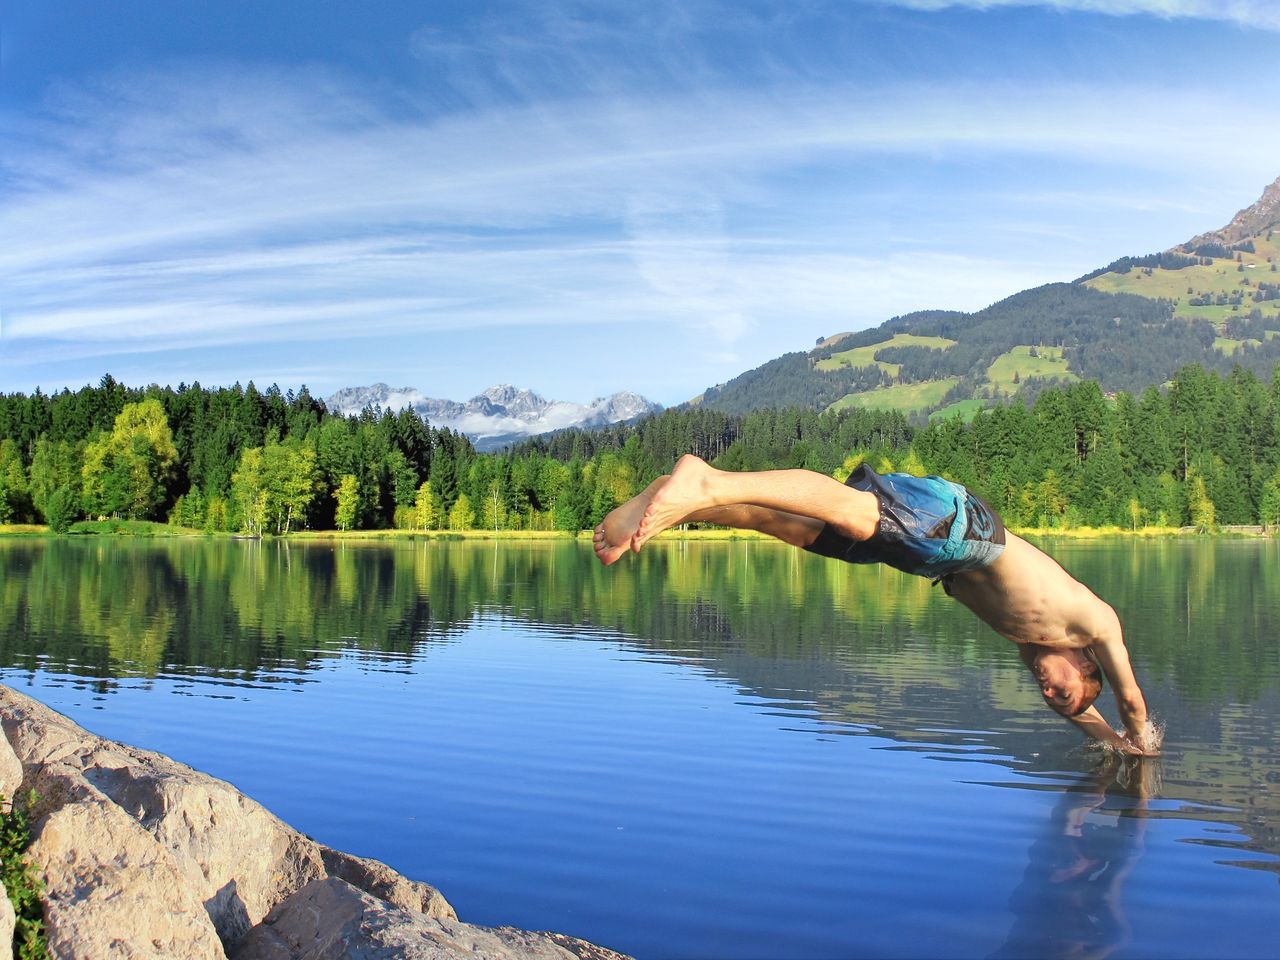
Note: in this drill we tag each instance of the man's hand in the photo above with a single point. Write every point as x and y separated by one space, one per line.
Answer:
1144 745
1137 750
1095 725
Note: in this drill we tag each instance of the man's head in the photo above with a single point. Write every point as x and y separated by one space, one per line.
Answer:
1069 679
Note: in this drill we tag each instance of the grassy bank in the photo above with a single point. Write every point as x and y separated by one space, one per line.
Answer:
130 528
149 529
430 535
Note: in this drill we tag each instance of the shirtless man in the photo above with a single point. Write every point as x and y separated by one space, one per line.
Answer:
929 527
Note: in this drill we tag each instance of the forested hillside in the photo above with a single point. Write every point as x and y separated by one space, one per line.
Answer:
1213 301
1124 341
1206 451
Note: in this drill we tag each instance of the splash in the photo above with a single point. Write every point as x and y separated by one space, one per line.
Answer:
1151 741
1153 736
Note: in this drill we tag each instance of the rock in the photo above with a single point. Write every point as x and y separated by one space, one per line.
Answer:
143 856
10 774
238 858
231 853
36 734
112 890
1252 221
381 881
332 920
8 920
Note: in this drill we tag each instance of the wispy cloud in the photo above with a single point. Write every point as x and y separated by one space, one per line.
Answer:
216 208
1263 14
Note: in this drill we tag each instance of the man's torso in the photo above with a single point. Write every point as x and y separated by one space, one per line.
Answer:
1026 596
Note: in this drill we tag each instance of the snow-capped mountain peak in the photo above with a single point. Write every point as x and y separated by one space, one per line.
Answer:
499 415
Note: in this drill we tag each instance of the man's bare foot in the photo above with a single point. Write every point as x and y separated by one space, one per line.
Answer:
616 534
684 494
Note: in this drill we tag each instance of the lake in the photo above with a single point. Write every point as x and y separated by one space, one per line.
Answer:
714 749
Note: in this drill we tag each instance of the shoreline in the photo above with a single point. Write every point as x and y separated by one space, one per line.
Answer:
142 529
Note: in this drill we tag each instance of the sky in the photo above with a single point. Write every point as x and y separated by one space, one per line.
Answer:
582 198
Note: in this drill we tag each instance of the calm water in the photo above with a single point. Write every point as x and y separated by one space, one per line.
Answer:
711 750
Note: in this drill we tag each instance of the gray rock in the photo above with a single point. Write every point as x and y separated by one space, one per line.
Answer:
238 858
143 856
111 890
10 774
8 920
232 855
332 920
381 881
1253 220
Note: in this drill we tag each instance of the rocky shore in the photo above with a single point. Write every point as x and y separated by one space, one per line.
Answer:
144 857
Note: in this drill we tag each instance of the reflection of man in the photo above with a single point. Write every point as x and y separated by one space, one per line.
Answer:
927 526
1069 902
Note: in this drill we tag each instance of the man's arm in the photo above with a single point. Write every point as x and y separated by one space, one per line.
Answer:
1095 725
1113 658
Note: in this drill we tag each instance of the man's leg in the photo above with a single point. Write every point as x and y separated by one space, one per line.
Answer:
695 488
617 533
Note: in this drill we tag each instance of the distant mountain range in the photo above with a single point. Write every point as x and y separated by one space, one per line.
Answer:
1214 301
500 415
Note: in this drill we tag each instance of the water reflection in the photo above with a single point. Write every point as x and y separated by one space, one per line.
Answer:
862 650
1205 613
1070 902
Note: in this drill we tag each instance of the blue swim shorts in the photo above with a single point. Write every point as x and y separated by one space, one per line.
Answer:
928 526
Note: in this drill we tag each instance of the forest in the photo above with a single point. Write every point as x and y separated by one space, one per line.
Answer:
1123 341
1204 451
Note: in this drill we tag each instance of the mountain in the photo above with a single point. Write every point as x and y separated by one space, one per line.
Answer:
1213 301
1249 222
498 416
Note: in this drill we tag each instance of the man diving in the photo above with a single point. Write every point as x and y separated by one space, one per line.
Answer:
1067 637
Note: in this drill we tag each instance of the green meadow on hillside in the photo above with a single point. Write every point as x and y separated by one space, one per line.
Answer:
905 397
1228 347
1004 375
1010 369
1237 281
964 409
866 356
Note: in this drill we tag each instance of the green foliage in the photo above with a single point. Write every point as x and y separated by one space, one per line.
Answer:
21 883
60 509
1203 512
1056 456
127 471
274 487
1167 260
1122 340
348 497
573 506
1270 507
15 497
461 516
425 514
55 468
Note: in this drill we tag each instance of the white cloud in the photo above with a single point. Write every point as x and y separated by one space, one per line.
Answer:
218 209
1263 14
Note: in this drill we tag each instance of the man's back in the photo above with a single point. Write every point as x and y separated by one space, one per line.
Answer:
1026 596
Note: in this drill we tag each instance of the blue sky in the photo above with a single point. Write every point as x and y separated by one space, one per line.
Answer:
580 198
